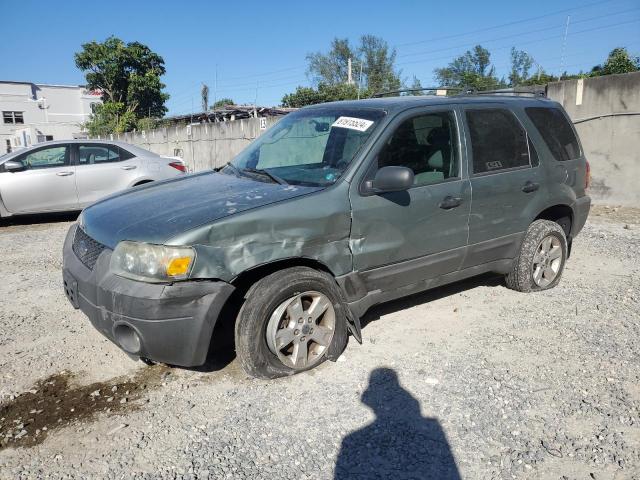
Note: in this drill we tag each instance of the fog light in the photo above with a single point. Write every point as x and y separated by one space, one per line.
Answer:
127 338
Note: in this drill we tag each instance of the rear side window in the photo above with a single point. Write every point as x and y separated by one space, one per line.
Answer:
124 154
556 132
498 141
90 154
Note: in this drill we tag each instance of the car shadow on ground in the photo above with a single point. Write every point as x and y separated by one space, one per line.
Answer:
400 443
38 218
485 280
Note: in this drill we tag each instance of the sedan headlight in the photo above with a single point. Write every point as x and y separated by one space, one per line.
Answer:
152 263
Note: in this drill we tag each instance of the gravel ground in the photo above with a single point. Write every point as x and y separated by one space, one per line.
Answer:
467 381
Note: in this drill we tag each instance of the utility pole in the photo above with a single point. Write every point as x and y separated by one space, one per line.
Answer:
564 44
215 94
255 102
349 77
360 79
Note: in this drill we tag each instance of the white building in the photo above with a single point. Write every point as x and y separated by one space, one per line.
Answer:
35 112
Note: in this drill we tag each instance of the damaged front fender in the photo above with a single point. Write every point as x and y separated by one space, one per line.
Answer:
315 226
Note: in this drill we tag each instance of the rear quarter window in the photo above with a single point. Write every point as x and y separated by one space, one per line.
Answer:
556 132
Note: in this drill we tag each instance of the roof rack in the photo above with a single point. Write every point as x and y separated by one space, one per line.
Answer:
410 90
510 92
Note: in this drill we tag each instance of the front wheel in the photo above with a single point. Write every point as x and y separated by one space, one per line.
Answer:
291 321
541 260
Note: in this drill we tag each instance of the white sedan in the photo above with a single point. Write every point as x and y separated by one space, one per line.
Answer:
72 174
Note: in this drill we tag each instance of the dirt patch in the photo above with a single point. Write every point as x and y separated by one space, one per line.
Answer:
54 403
628 215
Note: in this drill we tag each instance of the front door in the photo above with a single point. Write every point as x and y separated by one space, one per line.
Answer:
402 238
47 182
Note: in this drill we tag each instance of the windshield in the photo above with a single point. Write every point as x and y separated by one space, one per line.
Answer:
308 147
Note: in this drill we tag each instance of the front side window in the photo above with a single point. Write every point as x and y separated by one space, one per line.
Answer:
556 132
46 158
90 154
309 147
12 117
427 144
498 140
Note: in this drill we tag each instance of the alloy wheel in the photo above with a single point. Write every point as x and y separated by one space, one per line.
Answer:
547 261
301 329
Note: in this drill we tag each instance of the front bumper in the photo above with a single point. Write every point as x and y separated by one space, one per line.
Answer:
169 323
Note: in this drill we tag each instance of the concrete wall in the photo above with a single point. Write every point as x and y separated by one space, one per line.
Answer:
607 119
202 146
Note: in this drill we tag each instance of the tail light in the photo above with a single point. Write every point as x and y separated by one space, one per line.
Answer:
179 166
587 176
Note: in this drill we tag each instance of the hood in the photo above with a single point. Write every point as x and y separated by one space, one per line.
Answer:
156 212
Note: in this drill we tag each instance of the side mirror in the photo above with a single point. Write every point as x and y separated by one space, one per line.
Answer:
13 166
392 179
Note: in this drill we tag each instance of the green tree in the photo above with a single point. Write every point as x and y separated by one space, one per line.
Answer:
541 78
331 67
223 102
521 63
128 75
472 70
110 117
415 85
304 96
378 60
618 61
378 64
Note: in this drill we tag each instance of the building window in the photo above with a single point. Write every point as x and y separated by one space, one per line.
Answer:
8 146
12 117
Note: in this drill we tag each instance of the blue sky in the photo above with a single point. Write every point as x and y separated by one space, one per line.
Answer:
265 43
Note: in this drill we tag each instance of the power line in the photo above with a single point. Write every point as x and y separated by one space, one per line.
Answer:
538 40
508 24
519 34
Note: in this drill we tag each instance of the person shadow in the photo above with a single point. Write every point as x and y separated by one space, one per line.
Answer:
400 443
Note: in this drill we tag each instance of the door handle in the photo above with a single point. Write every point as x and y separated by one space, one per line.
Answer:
530 187
129 167
449 202
64 174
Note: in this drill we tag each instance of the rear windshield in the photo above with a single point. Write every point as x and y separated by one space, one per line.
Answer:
556 132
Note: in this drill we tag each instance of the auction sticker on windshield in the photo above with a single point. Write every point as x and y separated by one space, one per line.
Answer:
359 124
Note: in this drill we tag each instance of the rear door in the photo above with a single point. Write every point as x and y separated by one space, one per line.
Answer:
102 169
46 184
505 181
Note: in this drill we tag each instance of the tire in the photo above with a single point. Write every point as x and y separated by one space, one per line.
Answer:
539 267
265 323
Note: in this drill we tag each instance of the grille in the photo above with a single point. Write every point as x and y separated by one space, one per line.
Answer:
86 248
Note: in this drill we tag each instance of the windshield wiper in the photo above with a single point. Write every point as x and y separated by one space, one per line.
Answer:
266 173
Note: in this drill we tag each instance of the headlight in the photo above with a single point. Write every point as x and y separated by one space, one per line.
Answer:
152 263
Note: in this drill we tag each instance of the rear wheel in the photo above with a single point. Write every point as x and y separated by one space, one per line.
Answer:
291 321
541 260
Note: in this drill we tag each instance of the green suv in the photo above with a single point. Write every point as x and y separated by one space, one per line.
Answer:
336 208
